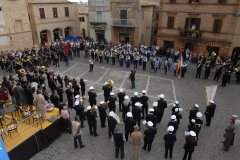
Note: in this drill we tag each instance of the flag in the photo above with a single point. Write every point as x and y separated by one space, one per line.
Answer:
210 93
179 65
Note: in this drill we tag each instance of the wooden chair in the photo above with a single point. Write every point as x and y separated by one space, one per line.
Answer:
26 113
36 118
12 127
2 132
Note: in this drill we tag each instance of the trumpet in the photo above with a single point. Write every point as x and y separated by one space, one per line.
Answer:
110 83
94 108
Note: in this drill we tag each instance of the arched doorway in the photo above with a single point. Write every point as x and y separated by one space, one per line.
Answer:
68 32
57 33
45 36
235 55
83 33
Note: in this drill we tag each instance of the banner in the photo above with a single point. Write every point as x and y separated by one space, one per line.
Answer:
210 93
3 152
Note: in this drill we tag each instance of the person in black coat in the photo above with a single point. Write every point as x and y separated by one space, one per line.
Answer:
79 108
173 122
170 139
112 102
199 70
144 101
92 122
118 139
218 72
69 94
157 111
126 107
209 113
225 79
132 78
162 104
55 99
29 96
151 117
135 99
102 113
60 80
60 92
106 91
92 96
121 96
192 126
76 89
191 142
149 135
129 125
83 86
198 123
136 111
207 71
112 122
193 112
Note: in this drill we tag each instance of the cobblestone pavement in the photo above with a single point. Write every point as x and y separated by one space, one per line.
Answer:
187 90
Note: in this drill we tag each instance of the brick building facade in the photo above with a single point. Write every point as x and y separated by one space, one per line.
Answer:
200 25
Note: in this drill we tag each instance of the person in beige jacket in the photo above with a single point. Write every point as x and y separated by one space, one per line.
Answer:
136 138
41 104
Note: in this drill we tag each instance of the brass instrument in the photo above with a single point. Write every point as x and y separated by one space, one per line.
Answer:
110 83
22 71
81 100
94 108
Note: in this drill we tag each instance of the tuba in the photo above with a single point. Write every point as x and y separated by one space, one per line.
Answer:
94 109
110 83
22 71
81 100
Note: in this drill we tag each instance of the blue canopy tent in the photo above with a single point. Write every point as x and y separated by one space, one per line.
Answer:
72 38
3 152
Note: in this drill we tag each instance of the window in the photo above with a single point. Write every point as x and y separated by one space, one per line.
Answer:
42 13
1 17
55 13
193 1
170 23
123 14
217 25
172 1
222 1
99 16
18 26
192 22
169 44
143 15
81 19
66 11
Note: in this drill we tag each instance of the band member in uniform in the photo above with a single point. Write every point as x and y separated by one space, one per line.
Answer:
126 107
144 101
121 96
102 113
79 108
173 122
112 102
162 104
129 125
69 94
83 86
199 70
92 96
149 135
193 112
191 142
91 65
209 113
170 139
112 122
132 78
92 122
136 111
151 117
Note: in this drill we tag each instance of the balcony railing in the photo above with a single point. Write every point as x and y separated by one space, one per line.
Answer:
190 34
117 22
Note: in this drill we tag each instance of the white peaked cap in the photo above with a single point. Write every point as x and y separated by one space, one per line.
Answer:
129 114
76 103
176 109
193 121
140 104
170 129
144 91
151 110
211 101
162 96
102 102
155 104
192 133
120 90
149 123
199 115
77 96
111 93
135 93
180 109
126 97
174 105
173 117
111 114
89 107
144 122
91 88
176 102
196 106
137 104
105 83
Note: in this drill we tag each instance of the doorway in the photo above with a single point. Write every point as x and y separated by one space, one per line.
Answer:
124 37
213 49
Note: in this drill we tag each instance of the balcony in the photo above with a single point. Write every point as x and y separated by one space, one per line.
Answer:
189 34
97 25
117 22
